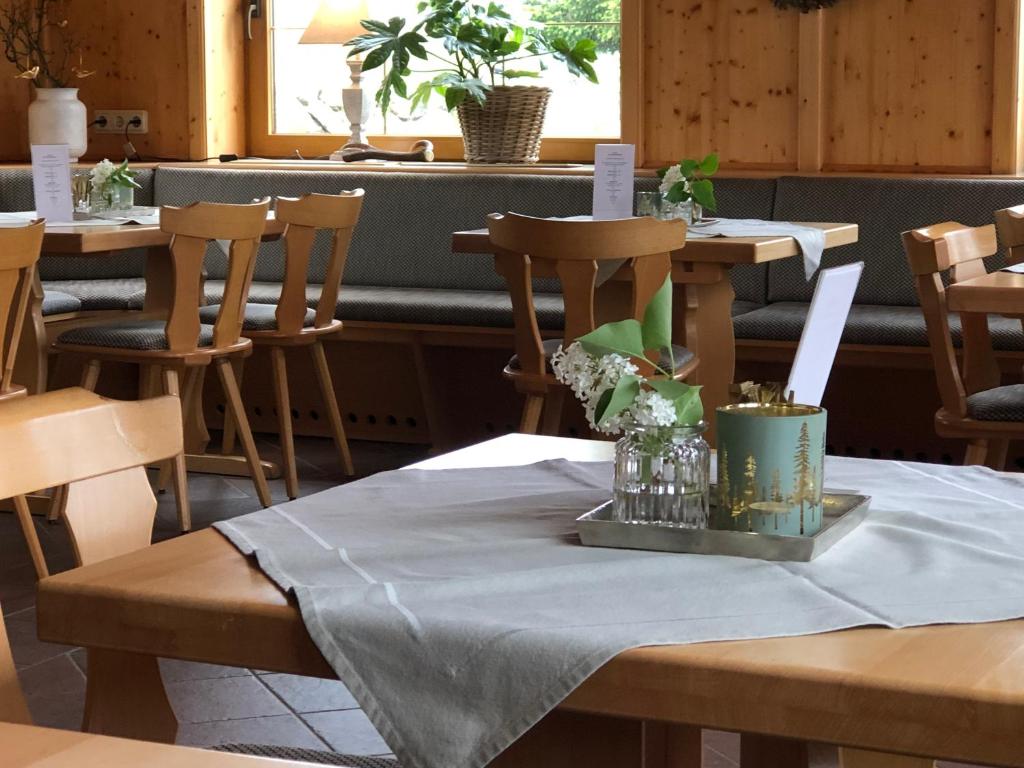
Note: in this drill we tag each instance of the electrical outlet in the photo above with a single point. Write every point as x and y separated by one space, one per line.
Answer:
118 119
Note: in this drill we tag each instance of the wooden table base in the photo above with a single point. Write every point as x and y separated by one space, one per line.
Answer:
230 466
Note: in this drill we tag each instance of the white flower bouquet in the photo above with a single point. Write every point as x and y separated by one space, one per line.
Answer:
107 180
688 182
603 371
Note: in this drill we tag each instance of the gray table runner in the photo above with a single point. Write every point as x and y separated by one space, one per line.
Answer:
459 607
810 239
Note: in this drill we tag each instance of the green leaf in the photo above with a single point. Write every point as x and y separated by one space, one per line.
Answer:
688 168
615 401
622 338
662 171
657 325
678 193
376 58
686 399
513 73
703 192
709 165
453 97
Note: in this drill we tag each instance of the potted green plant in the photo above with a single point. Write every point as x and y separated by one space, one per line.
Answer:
687 186
484 49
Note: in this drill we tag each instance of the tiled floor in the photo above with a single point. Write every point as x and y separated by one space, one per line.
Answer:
220 705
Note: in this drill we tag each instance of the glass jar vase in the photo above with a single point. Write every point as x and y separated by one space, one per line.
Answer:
114 197
662 476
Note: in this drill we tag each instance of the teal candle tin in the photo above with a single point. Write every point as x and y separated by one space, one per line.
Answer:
771 461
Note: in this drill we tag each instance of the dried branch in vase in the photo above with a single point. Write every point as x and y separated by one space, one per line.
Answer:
36 38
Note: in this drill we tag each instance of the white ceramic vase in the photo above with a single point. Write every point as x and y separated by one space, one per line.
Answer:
58 117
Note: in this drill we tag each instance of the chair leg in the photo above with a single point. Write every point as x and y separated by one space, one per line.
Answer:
284 420
230 434
996 458
234 398
977 450
28 528
179 470
553 406
323 374
91 375
531 414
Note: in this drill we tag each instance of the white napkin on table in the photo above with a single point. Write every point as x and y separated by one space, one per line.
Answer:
810 239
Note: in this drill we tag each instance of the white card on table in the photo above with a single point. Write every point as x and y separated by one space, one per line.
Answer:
614 169
823 330
1018 268
51 182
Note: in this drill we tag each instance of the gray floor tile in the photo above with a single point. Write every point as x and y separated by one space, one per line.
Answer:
55 692
310 694
278 730
174 671
224 698
348 731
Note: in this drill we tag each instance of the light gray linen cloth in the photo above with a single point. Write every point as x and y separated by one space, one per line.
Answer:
459 607
810 239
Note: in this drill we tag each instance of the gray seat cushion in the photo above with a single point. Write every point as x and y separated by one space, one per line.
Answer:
999 404
883 208
742 307
314 756
258 317
108 294
57 303
882 325
680 355
143 335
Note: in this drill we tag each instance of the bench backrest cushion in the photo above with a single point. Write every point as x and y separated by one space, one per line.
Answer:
16 195
883 208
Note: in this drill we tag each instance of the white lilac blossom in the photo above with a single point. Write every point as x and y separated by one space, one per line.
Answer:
653 410
101 174
672 177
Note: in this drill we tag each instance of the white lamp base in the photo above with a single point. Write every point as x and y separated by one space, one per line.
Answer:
357 105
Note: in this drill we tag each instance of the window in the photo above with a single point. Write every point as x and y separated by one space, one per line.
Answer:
303 83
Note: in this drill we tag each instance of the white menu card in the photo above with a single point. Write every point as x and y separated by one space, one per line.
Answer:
51 182
819 341
614 169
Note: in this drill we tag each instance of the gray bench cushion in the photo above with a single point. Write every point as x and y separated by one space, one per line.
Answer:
258 317
16 195
742 307
57 303
999 404
111 293
867 324
403 238
145 335
884 208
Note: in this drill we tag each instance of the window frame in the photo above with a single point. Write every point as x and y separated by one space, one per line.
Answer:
263 142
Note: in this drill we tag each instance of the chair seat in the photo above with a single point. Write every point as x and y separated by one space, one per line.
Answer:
142 335
122 293
314 756
58 303
998 404
258 317
682 357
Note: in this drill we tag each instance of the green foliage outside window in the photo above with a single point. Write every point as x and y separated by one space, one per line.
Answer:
597 20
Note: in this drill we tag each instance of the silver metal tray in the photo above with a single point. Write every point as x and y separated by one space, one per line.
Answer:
843 512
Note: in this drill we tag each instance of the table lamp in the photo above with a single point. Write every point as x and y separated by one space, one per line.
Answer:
335 23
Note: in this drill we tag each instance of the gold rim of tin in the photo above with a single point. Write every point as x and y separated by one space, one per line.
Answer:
777 410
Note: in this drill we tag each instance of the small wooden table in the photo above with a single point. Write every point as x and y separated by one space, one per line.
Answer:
703 296
954 692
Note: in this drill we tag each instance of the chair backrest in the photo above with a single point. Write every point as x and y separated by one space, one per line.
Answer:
99 448
1010 226
193 227
959 250
572 250
19 253
304 216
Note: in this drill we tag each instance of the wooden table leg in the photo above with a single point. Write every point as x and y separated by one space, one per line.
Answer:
30 362
125 697
772 752
705 323
573 739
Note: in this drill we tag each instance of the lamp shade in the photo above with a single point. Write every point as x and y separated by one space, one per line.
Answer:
336 22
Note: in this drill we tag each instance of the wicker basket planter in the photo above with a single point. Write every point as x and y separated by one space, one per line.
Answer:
507 128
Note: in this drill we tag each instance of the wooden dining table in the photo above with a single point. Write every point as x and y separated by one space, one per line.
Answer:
703 296
100 242
953 692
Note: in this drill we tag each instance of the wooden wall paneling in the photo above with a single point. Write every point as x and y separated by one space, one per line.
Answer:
908 86
1007 88
631 57
217 78
721 76
810 67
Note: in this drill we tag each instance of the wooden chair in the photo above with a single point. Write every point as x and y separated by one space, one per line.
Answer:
182 346
1010 227
19 253
974 407
292 324
526 247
